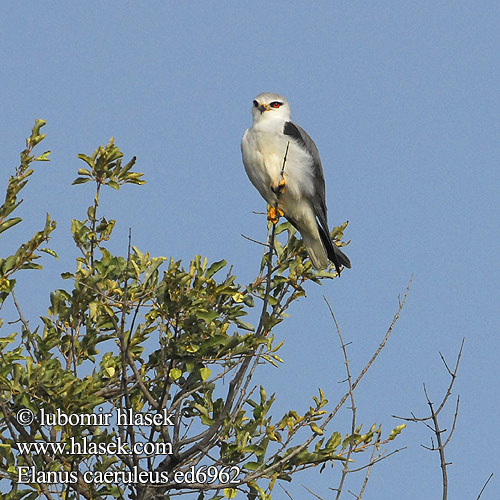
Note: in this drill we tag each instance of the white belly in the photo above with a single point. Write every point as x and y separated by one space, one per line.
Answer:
263 157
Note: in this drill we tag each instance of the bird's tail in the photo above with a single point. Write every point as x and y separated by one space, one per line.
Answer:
315 249
334 253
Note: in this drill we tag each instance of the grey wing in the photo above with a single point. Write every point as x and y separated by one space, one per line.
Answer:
319 201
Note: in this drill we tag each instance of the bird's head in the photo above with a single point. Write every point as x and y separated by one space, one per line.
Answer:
270 106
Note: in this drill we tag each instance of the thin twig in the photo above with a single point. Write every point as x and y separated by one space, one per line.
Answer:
382 344
124 352
484 486
345 469
93 239
284 159
381 457
312 493
452 374
454 423
440 447
18 307
255 241
433 417
287 494
260 329
368 472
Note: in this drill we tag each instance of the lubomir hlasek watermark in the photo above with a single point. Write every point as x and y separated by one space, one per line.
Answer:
86 445
123 417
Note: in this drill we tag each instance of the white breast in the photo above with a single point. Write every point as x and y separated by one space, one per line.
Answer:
263 156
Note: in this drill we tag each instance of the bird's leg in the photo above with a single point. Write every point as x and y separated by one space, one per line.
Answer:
274 213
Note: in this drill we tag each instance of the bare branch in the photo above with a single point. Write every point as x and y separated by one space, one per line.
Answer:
453 376
345 469
255 241
286 491
368 472
378 459
454 423
18 307
484 486
433 417
124 352
298 449
377 352
312 493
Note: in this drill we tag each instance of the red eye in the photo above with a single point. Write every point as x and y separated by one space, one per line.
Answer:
276 104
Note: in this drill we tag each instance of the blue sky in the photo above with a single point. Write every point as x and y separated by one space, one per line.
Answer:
401 99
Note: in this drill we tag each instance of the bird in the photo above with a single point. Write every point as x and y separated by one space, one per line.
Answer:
283 163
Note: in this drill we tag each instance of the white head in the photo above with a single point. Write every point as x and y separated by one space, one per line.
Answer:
270 106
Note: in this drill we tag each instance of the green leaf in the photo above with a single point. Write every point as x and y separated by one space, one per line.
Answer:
207 316
216 266
50 252
84 171
205 373
156 263
397 430
43 157
81 180
334 441
87 159
38 125
230 492
8 339
245 326
316 429
251 466
93 307
9 223
175 373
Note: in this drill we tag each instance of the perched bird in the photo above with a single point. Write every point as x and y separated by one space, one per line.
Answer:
283 163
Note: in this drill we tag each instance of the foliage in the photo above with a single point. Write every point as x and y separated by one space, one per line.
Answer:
146 335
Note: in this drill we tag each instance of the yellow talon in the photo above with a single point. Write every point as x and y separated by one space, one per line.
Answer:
273 214
280 188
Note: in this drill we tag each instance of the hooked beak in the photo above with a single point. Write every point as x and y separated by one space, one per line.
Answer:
263 107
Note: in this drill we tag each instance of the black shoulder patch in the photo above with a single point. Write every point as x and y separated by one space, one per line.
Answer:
303 140
291 129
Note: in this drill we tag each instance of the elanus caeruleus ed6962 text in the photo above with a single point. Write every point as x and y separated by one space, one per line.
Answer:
283 163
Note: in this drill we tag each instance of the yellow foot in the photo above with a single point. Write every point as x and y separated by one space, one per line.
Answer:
273 214
279 188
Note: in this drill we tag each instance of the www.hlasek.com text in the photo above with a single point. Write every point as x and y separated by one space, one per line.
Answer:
85 446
